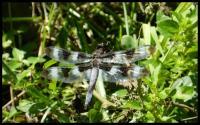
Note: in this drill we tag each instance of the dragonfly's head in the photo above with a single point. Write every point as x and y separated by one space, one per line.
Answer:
103 47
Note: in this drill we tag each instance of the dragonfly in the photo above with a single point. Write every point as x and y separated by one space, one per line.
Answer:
114 66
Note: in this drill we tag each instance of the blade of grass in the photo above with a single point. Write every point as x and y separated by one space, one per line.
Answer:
21 19
47 112
90 23
81 35
45 32
125 18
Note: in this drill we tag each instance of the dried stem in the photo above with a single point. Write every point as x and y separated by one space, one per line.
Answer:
12 96
14 99
184 106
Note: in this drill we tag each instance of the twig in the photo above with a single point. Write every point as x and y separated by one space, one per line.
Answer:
11 96
184 106
33 9
45 12
14 99
190 118
47 112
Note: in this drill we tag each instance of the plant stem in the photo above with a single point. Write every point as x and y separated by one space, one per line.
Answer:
184 106
11 96
19 95
47 112
125 19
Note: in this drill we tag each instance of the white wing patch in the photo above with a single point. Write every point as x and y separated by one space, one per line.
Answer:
136 72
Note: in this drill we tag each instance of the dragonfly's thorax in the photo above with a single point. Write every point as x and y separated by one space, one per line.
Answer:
98 52
95 62
96 57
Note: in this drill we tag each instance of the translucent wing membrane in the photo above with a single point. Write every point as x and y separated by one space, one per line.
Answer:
127 56
66 75
122 73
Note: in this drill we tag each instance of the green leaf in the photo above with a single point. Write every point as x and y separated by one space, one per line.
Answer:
157 41
177 16
184 8
18 54
184 93
49 63
6 43
128 42
52 86
97 105
156 74
63 34
166 118
35 93
36 108
121 93
160 16
35 60
184 89
167 27
62 118
14 64
133 104
94 115
13 112
24 105
6 56
24 61
25 73
22 84
185 81
148 105
193 51
150 117
164 93
9 71
7 40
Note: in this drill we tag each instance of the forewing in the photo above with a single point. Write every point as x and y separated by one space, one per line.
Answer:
127 56
64 56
